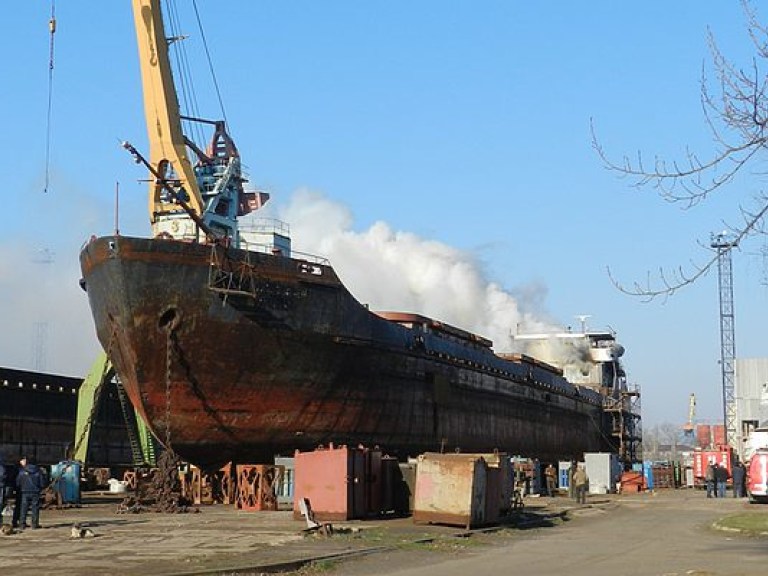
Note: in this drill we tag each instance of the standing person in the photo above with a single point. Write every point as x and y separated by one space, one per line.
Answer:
721 477
739 473
2 490
709 479
571 486
580 481
551 475
29 484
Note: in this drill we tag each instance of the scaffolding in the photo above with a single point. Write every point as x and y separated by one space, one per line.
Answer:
624 410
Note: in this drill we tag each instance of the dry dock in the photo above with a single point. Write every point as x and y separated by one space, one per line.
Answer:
664 533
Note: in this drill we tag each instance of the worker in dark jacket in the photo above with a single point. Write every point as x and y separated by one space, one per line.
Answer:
29 484
721 477
739 473
2 489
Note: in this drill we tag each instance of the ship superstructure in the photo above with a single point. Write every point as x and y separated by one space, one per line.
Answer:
593 359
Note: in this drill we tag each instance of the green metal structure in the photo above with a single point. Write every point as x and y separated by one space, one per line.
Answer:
100 375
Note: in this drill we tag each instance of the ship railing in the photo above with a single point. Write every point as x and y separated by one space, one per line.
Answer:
314 259
269 248
265 226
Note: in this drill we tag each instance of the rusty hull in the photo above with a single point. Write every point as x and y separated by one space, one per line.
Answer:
296 362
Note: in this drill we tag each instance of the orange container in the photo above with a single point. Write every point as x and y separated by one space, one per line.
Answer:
334 481
632 482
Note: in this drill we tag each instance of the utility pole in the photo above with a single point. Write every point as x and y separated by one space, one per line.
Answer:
724 243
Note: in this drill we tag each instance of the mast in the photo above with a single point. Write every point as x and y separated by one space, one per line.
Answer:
167 146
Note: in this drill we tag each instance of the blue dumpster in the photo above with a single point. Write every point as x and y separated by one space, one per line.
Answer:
65 477
648 473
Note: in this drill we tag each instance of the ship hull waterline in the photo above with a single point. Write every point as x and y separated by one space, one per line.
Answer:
295 361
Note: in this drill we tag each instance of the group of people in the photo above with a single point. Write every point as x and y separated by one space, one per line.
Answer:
24 483
577 482
716 478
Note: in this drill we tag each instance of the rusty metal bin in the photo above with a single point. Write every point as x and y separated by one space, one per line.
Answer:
451 489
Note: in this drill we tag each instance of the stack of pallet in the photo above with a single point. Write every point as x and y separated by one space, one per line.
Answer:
663 476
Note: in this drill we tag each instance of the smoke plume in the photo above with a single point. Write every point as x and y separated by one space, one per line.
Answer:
394 270
48 326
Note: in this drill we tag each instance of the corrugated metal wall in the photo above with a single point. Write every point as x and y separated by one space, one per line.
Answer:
37 419
751 375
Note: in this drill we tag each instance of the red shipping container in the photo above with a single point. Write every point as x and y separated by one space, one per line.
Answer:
703 436
718 435
702 458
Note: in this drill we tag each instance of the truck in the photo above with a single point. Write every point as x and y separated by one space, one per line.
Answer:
757 476
702 458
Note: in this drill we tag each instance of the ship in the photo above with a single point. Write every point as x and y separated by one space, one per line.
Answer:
234 347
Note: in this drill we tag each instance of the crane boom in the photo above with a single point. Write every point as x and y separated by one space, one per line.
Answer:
167 146
187 201
691 414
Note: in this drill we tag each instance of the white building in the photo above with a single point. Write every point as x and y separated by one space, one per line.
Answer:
751 392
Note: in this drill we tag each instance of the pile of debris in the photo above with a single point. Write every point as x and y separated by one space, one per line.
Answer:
158 491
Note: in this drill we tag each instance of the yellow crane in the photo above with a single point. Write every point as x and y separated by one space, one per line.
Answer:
688 427
167 149
184 198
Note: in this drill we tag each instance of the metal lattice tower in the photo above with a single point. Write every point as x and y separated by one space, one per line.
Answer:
724 243
40 328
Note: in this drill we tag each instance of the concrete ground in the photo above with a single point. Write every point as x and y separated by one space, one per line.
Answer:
665 533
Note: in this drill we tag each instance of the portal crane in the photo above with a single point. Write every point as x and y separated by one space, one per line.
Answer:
688 426
183 195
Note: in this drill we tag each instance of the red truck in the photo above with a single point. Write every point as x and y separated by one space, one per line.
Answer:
757 476
702 459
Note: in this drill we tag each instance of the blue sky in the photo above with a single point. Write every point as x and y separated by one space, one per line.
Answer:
461 123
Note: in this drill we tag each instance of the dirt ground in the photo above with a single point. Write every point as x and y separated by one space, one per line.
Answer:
665 533
668 533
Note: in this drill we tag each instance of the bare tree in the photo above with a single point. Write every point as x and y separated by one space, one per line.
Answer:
736 113
661 442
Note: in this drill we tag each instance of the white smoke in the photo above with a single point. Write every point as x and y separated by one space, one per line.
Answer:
572 355
399 271
47 325
46 322
384 268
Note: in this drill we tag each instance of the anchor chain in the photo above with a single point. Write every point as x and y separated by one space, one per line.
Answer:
165 482
168 374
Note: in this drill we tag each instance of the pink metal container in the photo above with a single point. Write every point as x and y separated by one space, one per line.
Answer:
333 479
